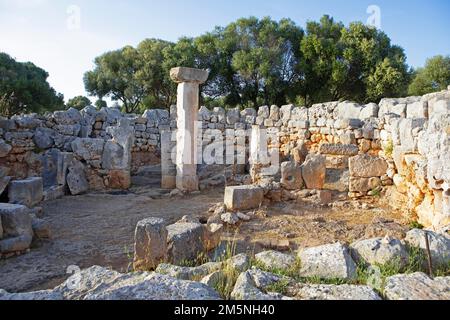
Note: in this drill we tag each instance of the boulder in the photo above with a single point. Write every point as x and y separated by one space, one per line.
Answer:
98 283
28 192
240 262
275 260
366 166
348 110
364 185
186 273
44 295
339 149
184 242
369 111
243 197
337 180
439 245
230 218
150 244
76 178
233 116
314 171
333 292
331 261
417 286
291 176
379 251
16 244
43 138
16 220
251 285
68 117
88 149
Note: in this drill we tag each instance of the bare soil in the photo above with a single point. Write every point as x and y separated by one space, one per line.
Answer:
98 229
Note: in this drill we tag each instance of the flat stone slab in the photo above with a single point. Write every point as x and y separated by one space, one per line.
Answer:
150 244
275 260
417 286
332 261
182 74
339 149
28 192
366 166
243 197
333 292
380 251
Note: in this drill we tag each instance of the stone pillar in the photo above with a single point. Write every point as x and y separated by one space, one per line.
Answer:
188 80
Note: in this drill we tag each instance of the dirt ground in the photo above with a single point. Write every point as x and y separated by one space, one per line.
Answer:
98 229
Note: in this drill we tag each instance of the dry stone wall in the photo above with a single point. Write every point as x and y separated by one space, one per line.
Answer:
401 145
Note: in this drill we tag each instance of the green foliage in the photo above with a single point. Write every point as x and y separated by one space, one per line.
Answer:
79 102
24 88
434 77
415 225
258 61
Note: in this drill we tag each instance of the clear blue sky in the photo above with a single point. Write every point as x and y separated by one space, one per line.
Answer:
37 30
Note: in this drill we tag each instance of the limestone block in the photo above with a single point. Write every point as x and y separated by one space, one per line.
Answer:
337 180
379 251
417 286
274 113
28 192
285 113
291 176
243 197
275 260
43 138
16 220
88 149
369 111
233 116
439 245
314 171
184 242
183 74
348 110
331 261
5 148
417 109
364 185
339 149
366 166
150 244
76 178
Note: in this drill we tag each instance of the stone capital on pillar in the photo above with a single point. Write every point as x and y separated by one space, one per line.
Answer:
188 80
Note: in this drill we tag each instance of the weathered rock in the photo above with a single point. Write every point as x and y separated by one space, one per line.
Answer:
76 178
329 262
28 192
68 117
276 260
88 149
339 149
119 179
230 218
314 171
45 295
184 242
417 286
4 181
43 138
337 180
332 292
15 244
212 235
251 284
439 245
97 283
150 244
364 185
348 110
379 251
240 262
5 148
243 197
291 176
186 273
366 166
16 220
41 229
182 74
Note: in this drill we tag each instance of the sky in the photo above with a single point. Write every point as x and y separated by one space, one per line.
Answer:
64 36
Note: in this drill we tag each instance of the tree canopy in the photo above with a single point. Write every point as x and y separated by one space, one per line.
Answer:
79 102
435 76
24 88
260 61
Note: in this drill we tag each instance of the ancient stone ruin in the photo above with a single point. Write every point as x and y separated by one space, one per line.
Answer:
398 149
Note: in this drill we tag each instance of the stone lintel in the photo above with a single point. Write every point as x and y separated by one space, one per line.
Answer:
183 74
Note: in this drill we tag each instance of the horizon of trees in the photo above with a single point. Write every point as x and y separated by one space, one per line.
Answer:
252 62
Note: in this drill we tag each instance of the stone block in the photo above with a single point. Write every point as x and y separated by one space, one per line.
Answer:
16 220
331 261
243 197
314 171
185 242
28 192
150 244
291 176
366 166
339 149
182 74
337 180
76 178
